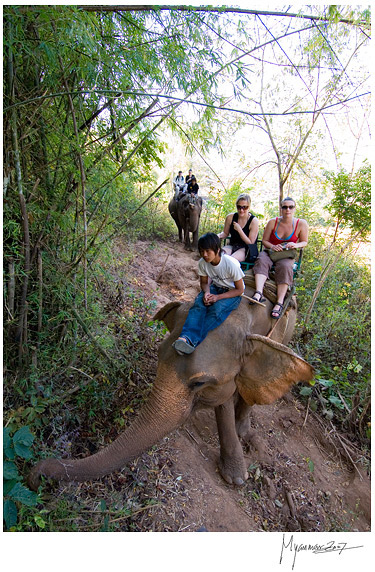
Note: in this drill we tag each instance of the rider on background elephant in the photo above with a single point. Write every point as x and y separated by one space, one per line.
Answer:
193 186
233 368
179 185
189 176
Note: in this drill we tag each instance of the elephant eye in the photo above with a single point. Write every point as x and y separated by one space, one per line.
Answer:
202 380
196 384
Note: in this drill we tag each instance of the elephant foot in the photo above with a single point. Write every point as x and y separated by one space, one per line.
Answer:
254 442
233 471
243 428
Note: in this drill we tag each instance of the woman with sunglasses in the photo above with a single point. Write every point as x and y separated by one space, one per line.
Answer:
281 233
242 227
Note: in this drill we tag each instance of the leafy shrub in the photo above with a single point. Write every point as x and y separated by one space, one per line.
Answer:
336 339
15 492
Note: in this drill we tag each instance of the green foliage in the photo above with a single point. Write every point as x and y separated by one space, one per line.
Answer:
351 204
271 209
337 338
108 127
308 208
230 197
15 448
219 205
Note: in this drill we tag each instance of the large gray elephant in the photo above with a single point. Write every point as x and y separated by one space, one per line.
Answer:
186 213
235 367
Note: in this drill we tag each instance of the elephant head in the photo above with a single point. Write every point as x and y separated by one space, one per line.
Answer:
235 365
186 213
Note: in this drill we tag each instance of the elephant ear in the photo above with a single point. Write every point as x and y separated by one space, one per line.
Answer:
167 314
269 370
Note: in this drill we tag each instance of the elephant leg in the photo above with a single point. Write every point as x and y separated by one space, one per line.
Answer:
179 228
232 463
187 238
242 414
195 240
244 429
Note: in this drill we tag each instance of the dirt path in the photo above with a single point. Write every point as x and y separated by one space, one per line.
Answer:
302 477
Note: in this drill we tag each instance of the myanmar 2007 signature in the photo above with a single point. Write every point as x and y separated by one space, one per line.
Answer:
316 548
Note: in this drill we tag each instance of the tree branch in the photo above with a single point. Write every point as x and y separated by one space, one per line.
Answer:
197 151
220 10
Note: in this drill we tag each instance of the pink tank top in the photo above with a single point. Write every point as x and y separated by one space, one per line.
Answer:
274 239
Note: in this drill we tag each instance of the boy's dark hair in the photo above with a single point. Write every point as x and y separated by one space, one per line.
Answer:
209 241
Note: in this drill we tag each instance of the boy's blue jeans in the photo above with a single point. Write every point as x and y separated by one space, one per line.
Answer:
202 319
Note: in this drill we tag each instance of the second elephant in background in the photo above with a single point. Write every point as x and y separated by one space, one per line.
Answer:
242 227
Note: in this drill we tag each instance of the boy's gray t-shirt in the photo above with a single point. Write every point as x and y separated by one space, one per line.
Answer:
225 274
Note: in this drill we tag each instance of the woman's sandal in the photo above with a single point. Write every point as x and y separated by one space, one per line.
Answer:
275 314
260 301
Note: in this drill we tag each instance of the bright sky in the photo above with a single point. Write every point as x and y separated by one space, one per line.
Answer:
345 141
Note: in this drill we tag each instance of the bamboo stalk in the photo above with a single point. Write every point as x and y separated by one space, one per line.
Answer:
25 225
23 335
92 243
40 291
11 288
83 181
22 323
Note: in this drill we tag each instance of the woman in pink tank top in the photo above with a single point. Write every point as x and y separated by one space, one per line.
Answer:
280 233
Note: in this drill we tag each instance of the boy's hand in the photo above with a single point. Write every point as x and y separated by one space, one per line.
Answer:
209 299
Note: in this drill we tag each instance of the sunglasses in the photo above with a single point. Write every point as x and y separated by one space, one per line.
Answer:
241 208
288 207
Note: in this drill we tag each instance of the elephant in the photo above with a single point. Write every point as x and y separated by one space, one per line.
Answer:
186 213
236 366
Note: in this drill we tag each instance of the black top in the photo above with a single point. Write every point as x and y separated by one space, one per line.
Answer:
193 188
235 238
188 178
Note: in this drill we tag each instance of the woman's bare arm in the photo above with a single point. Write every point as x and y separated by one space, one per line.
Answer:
227 224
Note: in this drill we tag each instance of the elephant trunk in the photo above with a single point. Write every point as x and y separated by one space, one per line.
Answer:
166 409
